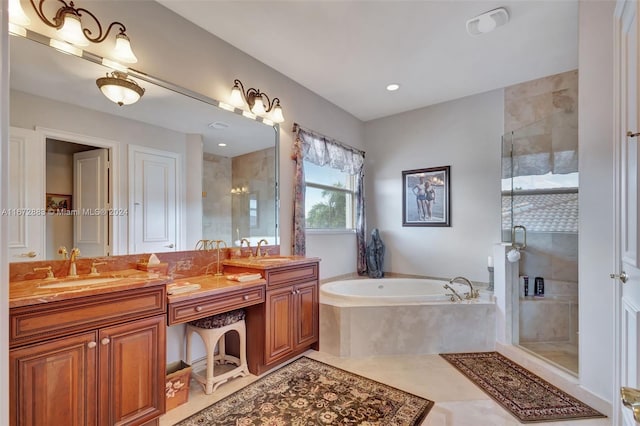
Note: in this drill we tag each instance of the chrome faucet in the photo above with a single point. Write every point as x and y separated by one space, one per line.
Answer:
258 252
75 252
244 240
455 293
473 294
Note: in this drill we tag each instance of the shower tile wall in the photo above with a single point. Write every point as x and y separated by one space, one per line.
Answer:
216 197
551 103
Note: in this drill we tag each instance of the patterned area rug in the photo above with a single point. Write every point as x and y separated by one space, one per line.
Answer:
308 392
528 397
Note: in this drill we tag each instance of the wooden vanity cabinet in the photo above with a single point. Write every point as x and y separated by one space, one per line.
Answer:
287 323
292 320
110 375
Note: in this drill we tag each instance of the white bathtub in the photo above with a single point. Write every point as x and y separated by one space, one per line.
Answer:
391 291
402 316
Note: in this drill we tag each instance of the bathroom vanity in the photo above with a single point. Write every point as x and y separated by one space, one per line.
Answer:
92 351
88 355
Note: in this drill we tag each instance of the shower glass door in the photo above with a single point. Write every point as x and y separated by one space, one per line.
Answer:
540 195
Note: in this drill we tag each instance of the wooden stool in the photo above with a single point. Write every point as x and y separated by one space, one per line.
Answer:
212 331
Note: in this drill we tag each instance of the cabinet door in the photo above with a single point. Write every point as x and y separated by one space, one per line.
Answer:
306 314
132 372
279 335
54 383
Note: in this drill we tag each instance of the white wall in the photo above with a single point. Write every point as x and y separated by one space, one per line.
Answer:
4 188
464 134
174 49
595 129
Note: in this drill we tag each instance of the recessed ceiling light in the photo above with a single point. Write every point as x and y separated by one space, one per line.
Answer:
393 87
218 125
222 144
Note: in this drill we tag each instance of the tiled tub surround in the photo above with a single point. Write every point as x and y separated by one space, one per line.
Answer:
375 328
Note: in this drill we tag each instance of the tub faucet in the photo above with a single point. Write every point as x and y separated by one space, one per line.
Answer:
455 293
473 294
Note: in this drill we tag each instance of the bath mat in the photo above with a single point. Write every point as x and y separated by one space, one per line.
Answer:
309 392
528 397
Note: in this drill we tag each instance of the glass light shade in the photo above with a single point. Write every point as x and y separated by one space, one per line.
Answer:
258 106
119 89
276 114
71 30
486 24
236 97
122 51
17 15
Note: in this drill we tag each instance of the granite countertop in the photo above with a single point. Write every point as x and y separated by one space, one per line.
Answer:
269 262
32 292
211 285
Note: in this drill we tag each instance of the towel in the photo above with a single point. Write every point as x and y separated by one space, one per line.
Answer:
177 288
244 276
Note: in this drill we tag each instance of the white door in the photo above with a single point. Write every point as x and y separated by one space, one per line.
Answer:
26 205
154 179
627 228
92 202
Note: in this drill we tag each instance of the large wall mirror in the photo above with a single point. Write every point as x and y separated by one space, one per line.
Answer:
55 96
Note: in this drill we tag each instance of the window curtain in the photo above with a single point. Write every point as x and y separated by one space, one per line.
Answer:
324 151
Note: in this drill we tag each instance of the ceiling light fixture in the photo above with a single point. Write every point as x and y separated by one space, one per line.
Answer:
393 87
68 22
120 89
487 21
258 102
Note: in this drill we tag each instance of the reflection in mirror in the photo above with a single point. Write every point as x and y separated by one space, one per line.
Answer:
54 98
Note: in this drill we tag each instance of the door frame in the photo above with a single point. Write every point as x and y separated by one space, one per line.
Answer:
180 197
118 224
622 21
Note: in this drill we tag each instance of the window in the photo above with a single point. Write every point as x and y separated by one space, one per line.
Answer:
329 198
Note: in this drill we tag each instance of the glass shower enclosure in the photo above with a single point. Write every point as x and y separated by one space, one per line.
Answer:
540 204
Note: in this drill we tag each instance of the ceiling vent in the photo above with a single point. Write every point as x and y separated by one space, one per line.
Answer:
488 21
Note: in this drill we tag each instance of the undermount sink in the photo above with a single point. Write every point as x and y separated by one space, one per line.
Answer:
80 282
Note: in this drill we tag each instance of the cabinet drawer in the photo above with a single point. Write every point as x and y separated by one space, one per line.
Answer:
293 274
189 310
47 320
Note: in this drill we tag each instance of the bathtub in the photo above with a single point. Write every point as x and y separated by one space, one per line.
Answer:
403 316
391 291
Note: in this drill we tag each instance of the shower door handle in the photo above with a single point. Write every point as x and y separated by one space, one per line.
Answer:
622 277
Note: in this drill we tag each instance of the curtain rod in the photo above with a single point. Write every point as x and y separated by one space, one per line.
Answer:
296 126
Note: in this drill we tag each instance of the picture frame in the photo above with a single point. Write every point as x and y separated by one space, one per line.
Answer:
58 202
426 197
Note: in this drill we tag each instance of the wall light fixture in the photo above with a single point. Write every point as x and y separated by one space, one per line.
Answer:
120 89
71 28
258 102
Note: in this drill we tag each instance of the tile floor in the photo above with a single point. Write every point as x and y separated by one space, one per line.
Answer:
563 354
458 402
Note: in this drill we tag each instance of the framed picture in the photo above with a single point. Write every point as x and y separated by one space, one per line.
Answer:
57 202
426 197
